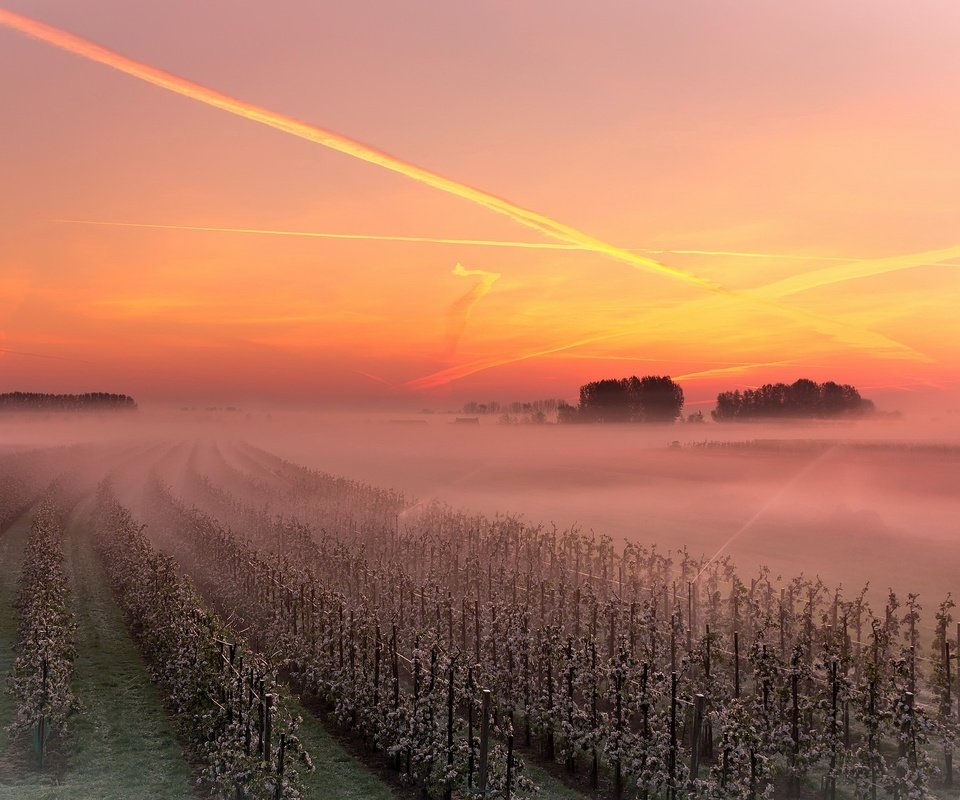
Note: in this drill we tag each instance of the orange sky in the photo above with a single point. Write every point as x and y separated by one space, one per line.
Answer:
801 134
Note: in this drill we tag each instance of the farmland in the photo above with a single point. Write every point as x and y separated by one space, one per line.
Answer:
228 622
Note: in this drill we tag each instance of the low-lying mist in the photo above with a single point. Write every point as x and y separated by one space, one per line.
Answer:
851 503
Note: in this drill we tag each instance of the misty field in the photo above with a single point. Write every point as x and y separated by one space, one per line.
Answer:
254 606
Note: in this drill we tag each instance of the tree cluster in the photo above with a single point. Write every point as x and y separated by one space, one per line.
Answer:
40 401
652 398
803 398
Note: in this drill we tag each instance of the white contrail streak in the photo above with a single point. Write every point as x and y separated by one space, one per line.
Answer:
375 237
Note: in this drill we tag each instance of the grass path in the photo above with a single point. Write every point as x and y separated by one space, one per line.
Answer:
122 744
338 774
12 543
550 786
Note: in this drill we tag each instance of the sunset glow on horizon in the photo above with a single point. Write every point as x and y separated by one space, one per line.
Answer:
753 215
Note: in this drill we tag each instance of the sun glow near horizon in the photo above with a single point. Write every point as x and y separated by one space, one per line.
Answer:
143 298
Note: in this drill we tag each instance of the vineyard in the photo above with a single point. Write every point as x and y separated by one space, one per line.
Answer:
283 615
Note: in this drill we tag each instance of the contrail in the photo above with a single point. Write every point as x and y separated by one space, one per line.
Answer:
335 141
459 312
317 235
859 268
463 370
741 254
674 361
731 370
43 355
374 378
916 382
374 237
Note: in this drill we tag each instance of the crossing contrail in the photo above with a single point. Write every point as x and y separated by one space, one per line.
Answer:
165 80
858 268
863 268
463 370
376 237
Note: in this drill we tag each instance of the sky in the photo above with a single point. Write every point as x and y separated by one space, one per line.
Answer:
514 198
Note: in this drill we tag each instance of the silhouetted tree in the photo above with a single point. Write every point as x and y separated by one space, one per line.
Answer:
609 400
802 398
649 399
660 399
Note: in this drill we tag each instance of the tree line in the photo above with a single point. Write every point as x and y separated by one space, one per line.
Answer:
90 401
657 398
803 398
652 398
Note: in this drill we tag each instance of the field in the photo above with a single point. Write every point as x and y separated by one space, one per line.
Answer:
261 607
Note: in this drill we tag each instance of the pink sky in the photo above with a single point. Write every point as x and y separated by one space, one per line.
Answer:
808 131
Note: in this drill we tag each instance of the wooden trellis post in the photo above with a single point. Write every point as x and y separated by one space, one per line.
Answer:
484 742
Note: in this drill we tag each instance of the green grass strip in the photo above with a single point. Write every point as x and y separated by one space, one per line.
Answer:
122 745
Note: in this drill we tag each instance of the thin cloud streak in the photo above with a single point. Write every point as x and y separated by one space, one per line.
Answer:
451 374
739 369
319 235
858 269
375 378
375 237
43 355
459 312
674 361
